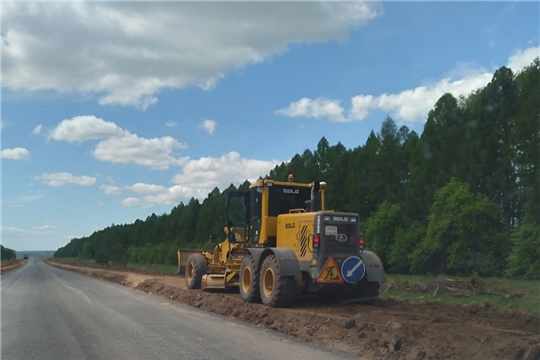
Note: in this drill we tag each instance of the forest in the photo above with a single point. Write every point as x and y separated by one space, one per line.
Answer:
7 253
461 197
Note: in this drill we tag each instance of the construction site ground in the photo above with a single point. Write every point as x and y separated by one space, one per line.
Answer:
391 328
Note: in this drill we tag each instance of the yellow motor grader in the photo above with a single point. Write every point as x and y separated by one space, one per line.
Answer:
281 242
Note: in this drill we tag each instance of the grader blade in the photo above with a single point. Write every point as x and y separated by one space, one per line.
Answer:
213 281
183 256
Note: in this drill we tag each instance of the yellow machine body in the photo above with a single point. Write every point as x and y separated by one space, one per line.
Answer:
282 221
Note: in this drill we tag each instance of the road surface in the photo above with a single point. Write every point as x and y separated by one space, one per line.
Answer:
48 313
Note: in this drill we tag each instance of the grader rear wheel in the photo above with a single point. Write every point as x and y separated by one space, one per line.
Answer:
195 269
275 290
249 280
364 292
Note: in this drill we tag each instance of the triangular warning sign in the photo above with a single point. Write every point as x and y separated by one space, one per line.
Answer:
330 272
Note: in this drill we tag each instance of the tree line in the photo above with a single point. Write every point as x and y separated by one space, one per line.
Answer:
461 197
7 253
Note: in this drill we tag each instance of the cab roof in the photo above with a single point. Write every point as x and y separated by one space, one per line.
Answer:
265 182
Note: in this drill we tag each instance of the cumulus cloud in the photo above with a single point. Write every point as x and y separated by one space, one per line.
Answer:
171 123
161 195
200 176
110 190
207 172
118 145
83 128
130 202
17 153
146 189
209 126
411 104
172 195
522 58
21 200
37 129
316 108
408 105
43 237
64 178
164 45
45 227
415 104
153 153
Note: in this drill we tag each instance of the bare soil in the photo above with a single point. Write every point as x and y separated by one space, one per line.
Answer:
389 329
11 265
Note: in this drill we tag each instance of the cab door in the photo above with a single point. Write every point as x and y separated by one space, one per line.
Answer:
238 213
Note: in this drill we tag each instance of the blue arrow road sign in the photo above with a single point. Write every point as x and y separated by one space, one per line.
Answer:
353 269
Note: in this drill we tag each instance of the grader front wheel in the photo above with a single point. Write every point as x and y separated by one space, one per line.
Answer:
195 269
249 280
275 290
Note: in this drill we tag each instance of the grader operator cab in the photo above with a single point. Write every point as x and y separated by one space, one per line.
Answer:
281 241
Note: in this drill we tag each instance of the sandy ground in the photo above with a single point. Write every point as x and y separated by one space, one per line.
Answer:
11 265
389 329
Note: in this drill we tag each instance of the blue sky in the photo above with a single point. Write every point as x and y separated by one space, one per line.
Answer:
113 111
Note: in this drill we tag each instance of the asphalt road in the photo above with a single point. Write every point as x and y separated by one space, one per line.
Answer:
48 313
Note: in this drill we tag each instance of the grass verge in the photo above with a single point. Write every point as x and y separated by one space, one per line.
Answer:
501 292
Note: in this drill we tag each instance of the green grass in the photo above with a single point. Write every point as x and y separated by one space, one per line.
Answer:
73 260
165 269
66 259
526 292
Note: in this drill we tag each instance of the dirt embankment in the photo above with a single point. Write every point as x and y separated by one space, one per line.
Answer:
390 329
11 265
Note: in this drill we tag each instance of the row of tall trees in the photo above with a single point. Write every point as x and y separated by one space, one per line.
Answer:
463 196
7 253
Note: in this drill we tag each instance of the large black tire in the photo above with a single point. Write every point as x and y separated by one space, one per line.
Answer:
195 269
276 290
368 290
249 280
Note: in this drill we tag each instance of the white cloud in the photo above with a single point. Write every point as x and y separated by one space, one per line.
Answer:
117 145
153 153
131 202
161 195
411 104
83 128
20 200
316 108
200 177
43 237
63 178
146 189
361 106
17 153
173 195
171 123
522 58
37 129
203 174
45 227
164 45
13 230
209 126
110 190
